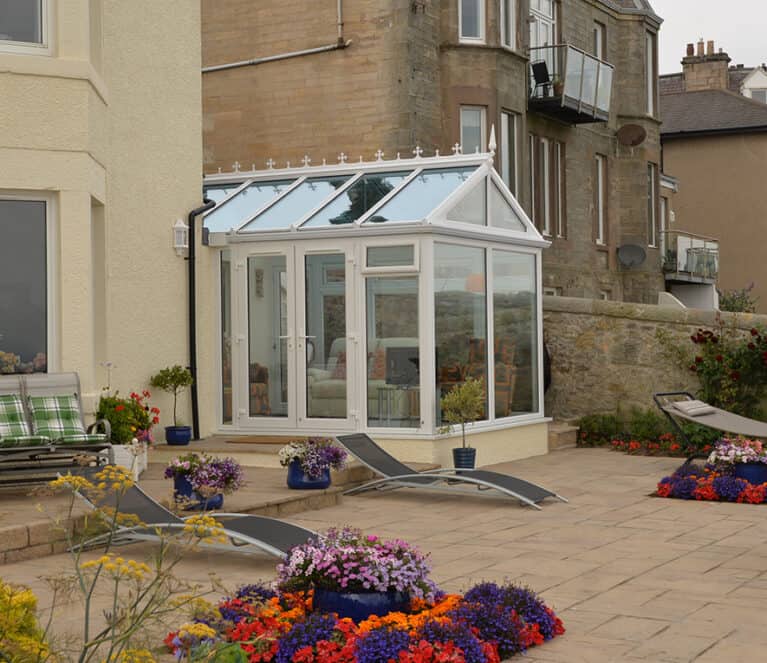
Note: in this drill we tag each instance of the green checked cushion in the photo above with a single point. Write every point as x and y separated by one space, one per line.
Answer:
24 441
13 423
56 417
83 438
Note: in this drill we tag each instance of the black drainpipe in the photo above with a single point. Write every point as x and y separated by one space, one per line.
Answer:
193 313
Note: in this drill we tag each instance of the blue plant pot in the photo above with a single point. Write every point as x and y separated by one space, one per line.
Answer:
184 492
360 606
298 480
464 458
755 473
178 436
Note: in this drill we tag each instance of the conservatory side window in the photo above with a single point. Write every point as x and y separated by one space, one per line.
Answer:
460 311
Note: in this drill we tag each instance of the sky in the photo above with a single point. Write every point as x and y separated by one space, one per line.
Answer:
736 26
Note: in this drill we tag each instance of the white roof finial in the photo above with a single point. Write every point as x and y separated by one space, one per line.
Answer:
270 163
342 158
236 166
418 151
457 149
379 155
492 145
306 160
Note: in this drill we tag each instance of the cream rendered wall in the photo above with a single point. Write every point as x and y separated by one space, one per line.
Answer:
127 138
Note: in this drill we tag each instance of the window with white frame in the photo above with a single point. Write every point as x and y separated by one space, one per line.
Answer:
600 40
23 286
663 225
652 204
600 199
23 25
759 94
547 185
509 157
558 182
542 23
532 142
509 23
651 71
473 121
471 20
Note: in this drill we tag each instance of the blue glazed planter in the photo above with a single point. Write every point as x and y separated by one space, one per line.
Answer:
360 606
178 436
184 492
297 479
755 473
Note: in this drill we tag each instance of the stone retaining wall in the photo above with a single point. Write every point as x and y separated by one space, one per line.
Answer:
605 356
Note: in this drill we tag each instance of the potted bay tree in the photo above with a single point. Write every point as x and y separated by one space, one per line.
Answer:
174 380
462 405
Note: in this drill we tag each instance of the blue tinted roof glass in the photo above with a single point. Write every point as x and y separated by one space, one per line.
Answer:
298 203
217 193
235 211
422 195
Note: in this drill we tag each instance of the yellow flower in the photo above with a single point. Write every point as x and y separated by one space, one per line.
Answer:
117 477
205 528
71 482
196 630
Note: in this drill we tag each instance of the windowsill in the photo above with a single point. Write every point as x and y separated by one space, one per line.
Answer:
25 48
601 246
471 41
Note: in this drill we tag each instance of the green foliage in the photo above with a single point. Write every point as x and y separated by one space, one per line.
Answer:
701 438
173 380
596 429
129 417
738 301
220 652
463 404
646 424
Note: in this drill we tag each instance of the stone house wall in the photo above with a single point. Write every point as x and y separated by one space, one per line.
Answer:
606 357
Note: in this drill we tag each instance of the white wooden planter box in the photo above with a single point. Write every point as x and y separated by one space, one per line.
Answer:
134 457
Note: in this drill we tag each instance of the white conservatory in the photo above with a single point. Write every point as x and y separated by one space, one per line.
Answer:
353 295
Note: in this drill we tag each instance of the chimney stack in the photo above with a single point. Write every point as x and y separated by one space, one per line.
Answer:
705 69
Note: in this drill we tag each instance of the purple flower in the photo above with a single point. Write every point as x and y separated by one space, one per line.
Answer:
314 628
460 633
382 644
729 488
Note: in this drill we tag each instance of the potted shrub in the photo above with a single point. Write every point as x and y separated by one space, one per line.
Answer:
393 572
131 420
201 480
174 380
463 404
309 462
746 459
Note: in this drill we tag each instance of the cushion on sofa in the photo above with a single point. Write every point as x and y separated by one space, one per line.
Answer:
13 421
56 417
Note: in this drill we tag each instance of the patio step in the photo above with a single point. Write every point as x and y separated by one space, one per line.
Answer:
562 436
254 454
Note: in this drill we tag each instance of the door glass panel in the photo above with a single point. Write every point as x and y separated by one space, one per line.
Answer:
361 196
460 317
393 370
23 287
267 323
516 333
326 347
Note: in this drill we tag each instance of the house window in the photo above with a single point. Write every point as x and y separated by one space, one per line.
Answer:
547 185
652 204
663 225
508 23
23 25
759 95
472 129
552 292
600 202
542 23
600 40
605 295
651 71
509 167
471 18
23 286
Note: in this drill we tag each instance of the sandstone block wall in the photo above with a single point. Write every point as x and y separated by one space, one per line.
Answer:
605 356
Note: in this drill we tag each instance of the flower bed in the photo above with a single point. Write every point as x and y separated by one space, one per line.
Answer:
488 623
692 482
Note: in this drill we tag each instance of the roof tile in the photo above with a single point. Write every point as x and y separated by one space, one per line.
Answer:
710 110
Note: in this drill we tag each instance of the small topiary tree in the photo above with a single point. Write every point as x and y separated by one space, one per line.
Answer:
174 380
463 404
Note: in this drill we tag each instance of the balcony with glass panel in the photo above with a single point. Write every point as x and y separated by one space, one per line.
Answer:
688 257
570 85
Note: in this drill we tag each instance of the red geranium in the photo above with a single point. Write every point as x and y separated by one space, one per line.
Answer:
753 494
664 489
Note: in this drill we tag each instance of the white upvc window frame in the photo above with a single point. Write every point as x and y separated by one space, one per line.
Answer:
600 36
482 110
510 150
52 269
46 32
652 205
762 91
651 58
538 18
601 189
509 24
531 143
470 39
545 144
559 169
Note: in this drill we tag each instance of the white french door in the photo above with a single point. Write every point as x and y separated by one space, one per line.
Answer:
294 353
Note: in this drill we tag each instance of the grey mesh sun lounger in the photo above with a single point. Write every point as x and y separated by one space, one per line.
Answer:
398 475
247 532
683 405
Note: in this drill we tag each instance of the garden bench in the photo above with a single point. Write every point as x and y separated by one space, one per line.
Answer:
42 428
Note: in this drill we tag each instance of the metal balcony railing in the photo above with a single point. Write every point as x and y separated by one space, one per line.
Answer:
569 84
689 256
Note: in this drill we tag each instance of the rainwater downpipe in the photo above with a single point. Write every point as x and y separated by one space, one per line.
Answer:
340 44
192 276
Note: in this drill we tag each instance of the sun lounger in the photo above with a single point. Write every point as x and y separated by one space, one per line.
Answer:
247 532
398 475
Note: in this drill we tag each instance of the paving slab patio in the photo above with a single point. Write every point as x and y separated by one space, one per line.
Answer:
635 578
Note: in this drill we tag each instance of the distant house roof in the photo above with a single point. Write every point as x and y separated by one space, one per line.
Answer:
632 7
674 83
710 112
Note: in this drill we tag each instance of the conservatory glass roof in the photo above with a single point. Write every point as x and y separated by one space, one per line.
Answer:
459 191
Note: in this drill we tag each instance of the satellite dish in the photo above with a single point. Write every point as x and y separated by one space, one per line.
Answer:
631 255
631 135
